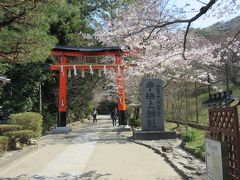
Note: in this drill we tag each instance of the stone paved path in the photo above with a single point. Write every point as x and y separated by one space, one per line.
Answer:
189 166
90 151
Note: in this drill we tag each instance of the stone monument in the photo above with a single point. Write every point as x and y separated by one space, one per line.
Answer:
152 105
152 112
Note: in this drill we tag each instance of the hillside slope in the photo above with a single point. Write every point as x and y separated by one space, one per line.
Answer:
220 31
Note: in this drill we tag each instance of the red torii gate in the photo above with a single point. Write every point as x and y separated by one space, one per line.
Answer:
65 52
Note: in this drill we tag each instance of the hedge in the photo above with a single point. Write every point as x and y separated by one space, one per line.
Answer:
23 136
29 120
9 127
3 143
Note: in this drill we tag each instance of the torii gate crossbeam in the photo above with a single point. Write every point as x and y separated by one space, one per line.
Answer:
63 67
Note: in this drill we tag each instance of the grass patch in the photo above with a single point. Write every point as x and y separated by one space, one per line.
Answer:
197 146
194 138
173 127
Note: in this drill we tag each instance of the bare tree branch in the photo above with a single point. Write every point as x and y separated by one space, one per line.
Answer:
203 10
234 1
185 40
201 2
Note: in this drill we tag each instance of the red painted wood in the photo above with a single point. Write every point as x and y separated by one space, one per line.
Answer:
62 99
85 67
75 54
120 85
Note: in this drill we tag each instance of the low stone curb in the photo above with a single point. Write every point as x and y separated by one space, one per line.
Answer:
186 170
10 156
165 158
191 151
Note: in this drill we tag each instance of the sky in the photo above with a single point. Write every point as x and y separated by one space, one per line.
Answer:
205 21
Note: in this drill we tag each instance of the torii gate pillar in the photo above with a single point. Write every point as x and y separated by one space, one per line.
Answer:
62 99
120 91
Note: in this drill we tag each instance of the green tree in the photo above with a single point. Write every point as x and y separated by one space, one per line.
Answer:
27 36
22 94
24 31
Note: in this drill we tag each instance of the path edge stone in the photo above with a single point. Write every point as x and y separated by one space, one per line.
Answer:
178 170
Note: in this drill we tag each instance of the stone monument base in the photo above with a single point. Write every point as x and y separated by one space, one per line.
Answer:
154 135
122 128
61 130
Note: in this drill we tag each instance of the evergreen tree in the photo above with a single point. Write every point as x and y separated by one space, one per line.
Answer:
24 31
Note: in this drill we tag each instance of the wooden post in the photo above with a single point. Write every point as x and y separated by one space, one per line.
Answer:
186 100
40 98
62 99
209 86
196 101
120 92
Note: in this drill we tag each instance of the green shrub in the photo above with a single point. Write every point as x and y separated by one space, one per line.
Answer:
29 120
9 127
134 122
3 143
23 136
189 136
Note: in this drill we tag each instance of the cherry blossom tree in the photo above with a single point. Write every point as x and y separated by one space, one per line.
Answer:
165 45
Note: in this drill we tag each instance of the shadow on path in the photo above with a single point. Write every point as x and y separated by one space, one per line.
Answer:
85 176
88 132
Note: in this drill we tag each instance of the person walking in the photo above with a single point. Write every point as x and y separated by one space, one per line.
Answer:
94 114
114 116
